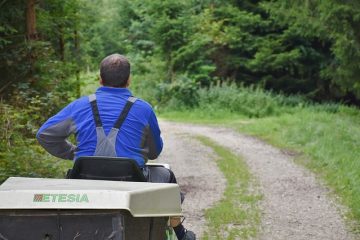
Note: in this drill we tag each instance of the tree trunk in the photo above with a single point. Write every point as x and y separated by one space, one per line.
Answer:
77 57
61 43
170 70
31 33
31 36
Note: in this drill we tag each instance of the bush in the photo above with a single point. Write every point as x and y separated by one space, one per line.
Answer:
250 102
253 101
20 155
181 94
247 101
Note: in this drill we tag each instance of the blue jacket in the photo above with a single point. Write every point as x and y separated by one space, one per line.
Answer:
138 138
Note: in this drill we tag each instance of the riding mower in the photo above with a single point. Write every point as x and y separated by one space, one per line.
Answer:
103 198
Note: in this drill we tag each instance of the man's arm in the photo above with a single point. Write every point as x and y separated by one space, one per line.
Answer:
154 141
53 134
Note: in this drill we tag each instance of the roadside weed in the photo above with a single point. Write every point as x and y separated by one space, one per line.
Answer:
237 215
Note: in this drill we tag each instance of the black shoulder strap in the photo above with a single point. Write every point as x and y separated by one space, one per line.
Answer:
95 110
92 99
131 100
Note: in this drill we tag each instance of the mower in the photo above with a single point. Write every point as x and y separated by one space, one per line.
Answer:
103 198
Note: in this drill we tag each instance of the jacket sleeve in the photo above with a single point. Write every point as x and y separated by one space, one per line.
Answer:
53 134
154 141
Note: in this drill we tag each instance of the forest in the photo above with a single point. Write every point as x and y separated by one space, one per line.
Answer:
187 54
293 47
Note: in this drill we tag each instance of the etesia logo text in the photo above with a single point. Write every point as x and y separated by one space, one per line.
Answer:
78 198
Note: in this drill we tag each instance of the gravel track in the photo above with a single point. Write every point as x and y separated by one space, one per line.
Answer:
295 205
203 186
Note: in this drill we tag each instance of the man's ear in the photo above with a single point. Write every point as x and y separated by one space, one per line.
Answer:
101 81
128 82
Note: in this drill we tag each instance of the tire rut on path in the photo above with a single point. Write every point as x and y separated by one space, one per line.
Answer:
196 172
295 205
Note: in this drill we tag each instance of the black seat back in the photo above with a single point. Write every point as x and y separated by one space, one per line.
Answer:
106 168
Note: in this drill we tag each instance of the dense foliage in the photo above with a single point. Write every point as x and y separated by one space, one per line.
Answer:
299 47
19 153
309 47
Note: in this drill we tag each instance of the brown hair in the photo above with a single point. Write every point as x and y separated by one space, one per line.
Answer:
115 70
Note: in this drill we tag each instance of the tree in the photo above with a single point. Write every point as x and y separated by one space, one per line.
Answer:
335 25
31 33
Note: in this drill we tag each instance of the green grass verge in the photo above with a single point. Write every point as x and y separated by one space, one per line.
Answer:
237 215
328 143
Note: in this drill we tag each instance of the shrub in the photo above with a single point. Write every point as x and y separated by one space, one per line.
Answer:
20 155
179 95
247 101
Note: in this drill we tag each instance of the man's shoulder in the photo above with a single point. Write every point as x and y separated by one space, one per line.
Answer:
143 103
78 104
84 100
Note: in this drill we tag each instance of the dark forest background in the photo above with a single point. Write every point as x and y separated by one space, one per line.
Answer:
295 47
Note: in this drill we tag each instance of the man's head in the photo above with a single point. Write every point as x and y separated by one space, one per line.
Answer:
115 71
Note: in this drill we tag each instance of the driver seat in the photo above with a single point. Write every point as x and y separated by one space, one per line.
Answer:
106 168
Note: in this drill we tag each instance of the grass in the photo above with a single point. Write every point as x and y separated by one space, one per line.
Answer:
327 142
237 215
202 117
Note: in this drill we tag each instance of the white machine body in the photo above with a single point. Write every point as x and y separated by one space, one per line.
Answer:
139 198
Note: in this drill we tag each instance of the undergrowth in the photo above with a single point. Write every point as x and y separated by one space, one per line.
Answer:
20 154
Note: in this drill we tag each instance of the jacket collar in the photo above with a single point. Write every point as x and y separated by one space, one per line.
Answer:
118 91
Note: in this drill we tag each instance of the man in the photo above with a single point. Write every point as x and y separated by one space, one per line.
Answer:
111 123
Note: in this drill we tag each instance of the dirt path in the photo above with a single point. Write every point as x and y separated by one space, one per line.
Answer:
295 205
187 158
